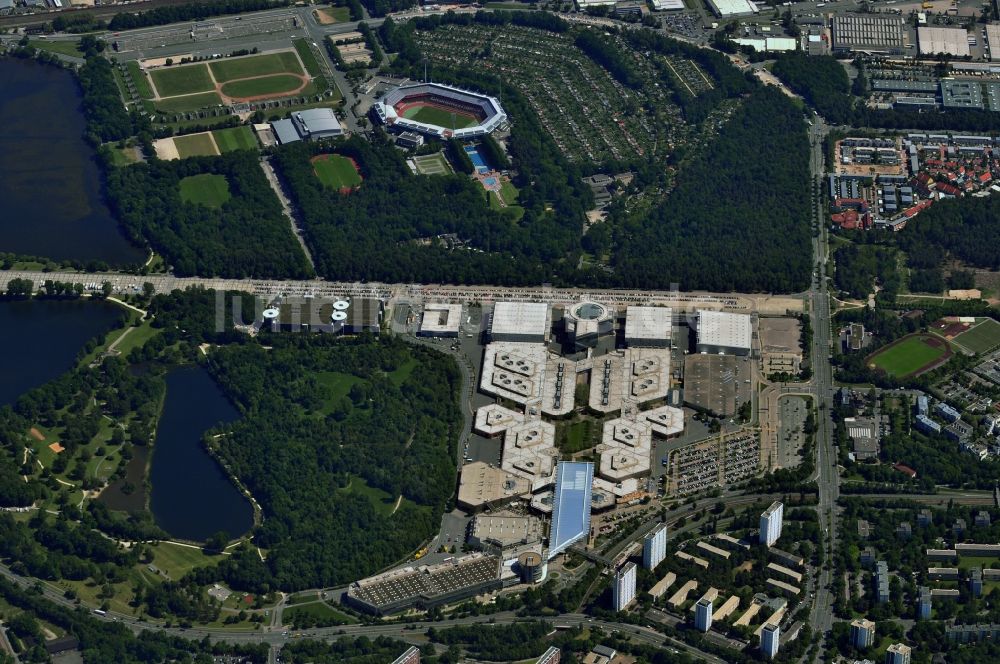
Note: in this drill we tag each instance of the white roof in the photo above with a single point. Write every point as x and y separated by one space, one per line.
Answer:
717 328
665 5
520 318
933 40
441 318
733 7
648 322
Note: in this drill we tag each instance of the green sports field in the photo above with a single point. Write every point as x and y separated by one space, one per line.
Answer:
336 172
195 145
982 337
188 102
231 69
910 354
139 78
267 85
440 117
235 138
206 188
185 80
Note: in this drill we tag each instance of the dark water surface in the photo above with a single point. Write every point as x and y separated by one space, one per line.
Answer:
192 498
40 339
49 182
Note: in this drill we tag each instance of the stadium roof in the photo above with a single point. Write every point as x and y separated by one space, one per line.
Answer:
725 330
520 318
934 40
571 505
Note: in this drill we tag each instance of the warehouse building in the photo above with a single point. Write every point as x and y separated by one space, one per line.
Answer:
724 333
873 33
950 41
364 315
504 531
649 327
426 586
441 320
992 41
520 322
484 486
304 314
961 94
730 8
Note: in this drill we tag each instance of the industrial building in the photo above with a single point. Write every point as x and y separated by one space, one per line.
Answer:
769 640
441 320
623 591
649 327
950 41
587 322
654 547
992 41
426 586
703 615
503 531
862 633
668 5
364 315
311 124
864 433
770 523
571 507
872 33
527 322
483 486
961 94
724 333
306 314
730 8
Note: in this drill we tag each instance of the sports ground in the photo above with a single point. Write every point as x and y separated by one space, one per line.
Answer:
912 355
438 115
982 337
336 171
206 188
206 143
249 78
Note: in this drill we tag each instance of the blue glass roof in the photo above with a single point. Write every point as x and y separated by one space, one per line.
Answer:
570 505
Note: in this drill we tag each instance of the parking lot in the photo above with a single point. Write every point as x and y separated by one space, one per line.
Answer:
713 463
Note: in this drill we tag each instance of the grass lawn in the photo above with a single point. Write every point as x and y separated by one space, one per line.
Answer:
268 85
195 145
440 117
401 373
579 436
190 103
986 562
139 78
173 81
508 191
336 172
137 338
255 65
307 55
908 355
337 386
235 138
123 156
320 610
380 500
432 164
206 188
981 338
60 47
515 212
336 14
175 560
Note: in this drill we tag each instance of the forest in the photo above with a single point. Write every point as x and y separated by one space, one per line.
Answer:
965 229
247 236
749 229
861 267
107 119
351 454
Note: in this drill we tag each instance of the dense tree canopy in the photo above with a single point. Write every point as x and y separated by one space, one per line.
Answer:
247 236
189 12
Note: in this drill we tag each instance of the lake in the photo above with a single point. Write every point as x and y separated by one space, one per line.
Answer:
192 498
40 339
51 185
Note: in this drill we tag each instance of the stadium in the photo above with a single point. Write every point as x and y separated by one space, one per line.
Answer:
440 111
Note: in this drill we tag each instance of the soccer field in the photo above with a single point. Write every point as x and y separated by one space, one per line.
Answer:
184 80
231 69
910 354
982 337
235 138
207 189
266 85
440 117
195 145
336 172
